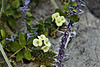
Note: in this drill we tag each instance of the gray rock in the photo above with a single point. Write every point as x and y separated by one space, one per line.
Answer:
94 7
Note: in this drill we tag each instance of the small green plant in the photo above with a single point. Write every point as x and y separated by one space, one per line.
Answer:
33 44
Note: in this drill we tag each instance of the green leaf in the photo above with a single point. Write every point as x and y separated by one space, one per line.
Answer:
14 46
17 14
40 22
30 40
53 28
12 22
74 9
7 6
74 18
3 42
75 4
20 56
15 4
2 33
60 12
32 18
27 54
29 22
28 28
29 14
65 7
34 29
22 40
47 25
48 20
9 12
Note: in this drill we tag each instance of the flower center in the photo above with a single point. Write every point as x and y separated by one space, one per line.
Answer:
41 37
56 16
58 21
45 47
46 42
37 42
62 19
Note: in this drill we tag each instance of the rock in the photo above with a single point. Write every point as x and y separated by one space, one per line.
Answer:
94 7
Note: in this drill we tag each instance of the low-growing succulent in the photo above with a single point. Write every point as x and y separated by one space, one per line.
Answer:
44 58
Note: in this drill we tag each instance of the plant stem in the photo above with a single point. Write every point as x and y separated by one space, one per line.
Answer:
3 4
54 31
64 41
54 4
16 52
2 62
5 56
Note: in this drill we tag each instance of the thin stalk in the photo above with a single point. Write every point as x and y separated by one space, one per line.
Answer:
2 62
16 52
5 56
54 4
3 4
54 31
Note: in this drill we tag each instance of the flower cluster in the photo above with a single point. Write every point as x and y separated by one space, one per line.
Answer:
42 41
58 19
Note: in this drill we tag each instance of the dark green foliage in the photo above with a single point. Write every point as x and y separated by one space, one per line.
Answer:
40 28
7 6
22 40
27 54
14 45
29 19
45 27
65 7
74 18
74 4
42 58
2 33
28 28
19 56
30 40
12 22
29 14
16 14
60 12
15 4
9 12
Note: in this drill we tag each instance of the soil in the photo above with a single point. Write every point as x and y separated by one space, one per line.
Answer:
84 49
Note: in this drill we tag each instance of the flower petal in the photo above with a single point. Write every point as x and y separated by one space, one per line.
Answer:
42 37
62 19
35 42
45 48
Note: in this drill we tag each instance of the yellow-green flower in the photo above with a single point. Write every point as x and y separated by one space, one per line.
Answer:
55 16
58 22
47 42
42 66
42 37
62 19
45 48
37 42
